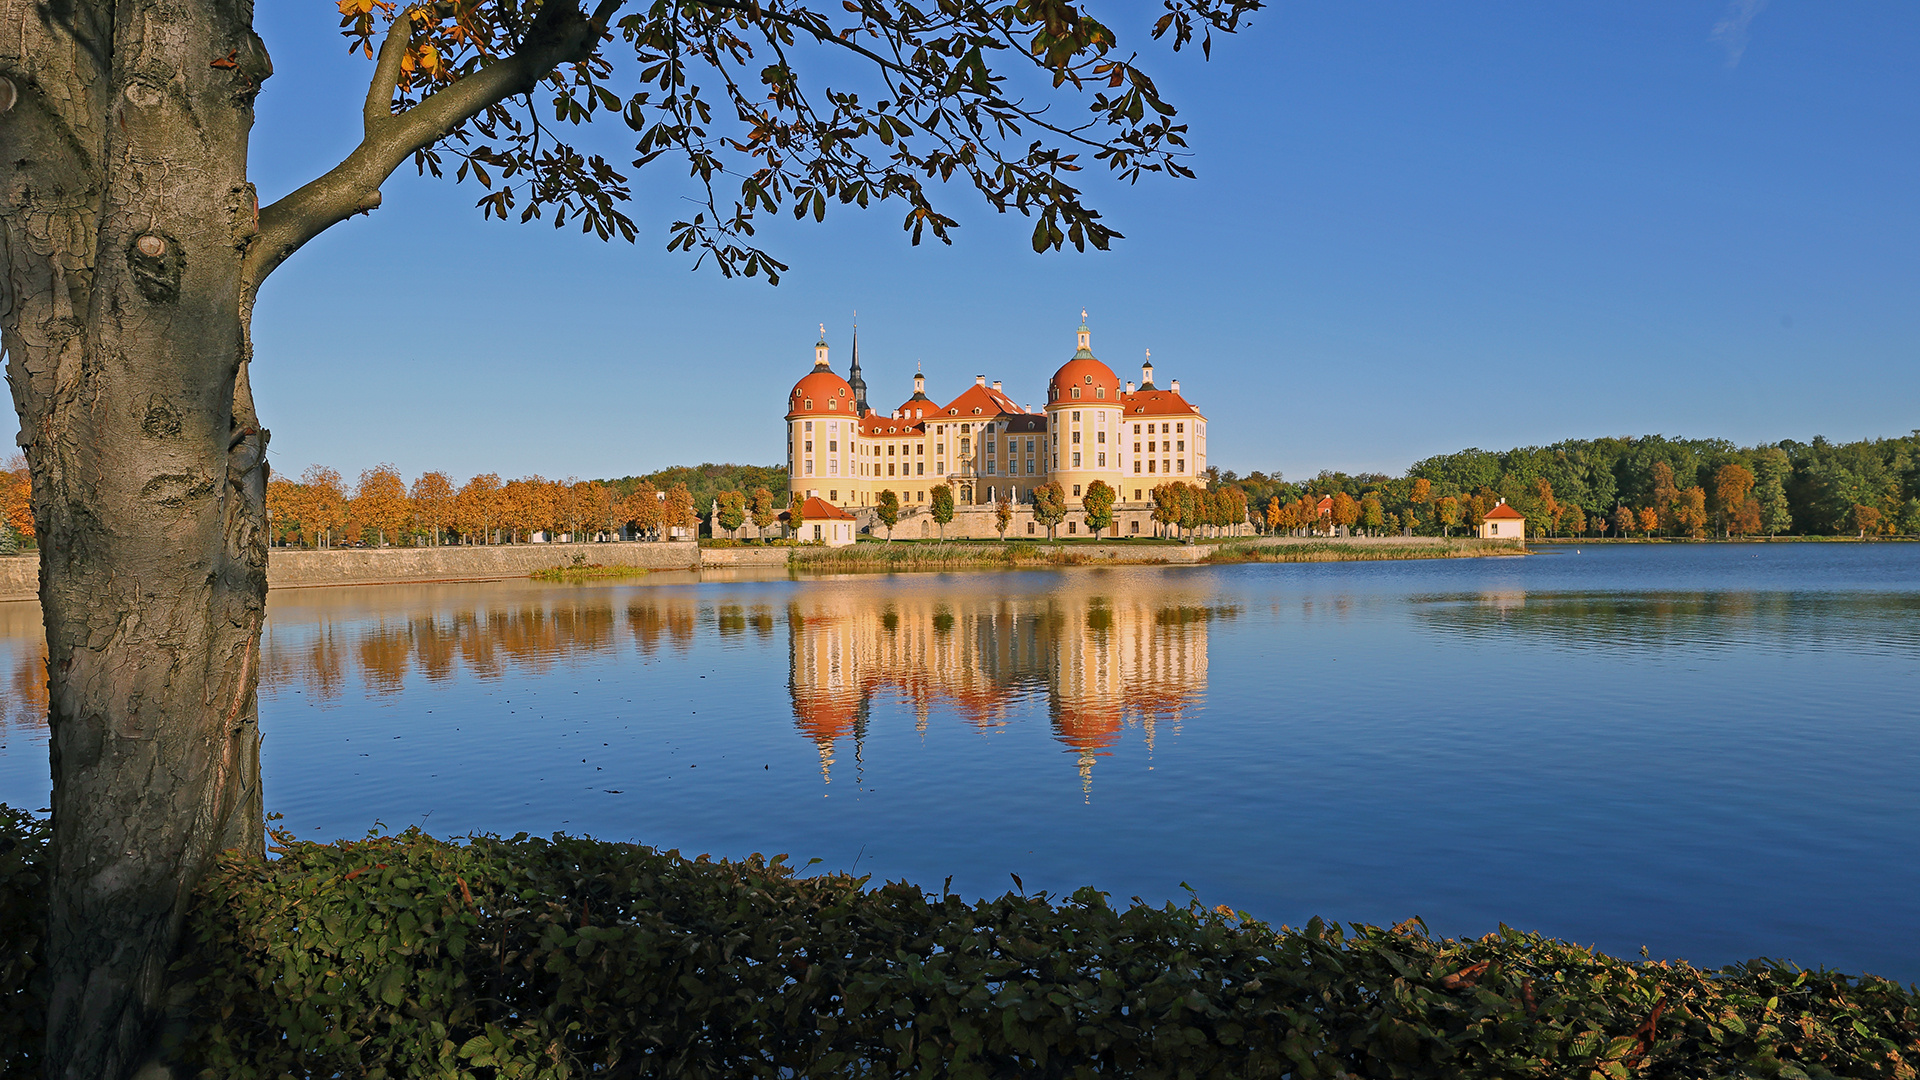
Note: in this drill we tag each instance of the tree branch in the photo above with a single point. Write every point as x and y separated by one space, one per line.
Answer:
386 73
561 34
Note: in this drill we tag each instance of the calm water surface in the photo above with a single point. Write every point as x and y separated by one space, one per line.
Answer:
1710 751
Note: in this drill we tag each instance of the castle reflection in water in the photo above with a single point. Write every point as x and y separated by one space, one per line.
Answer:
1103 664
1096 664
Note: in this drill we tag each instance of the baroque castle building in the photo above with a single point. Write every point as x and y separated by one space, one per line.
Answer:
985 445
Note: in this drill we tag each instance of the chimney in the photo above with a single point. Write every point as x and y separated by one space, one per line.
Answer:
979 380
1176 385
996 384
1129 386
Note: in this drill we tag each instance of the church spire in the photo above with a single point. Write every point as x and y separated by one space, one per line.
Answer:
853 377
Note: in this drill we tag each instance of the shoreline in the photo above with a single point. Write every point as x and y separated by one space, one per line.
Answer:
303 569
332 567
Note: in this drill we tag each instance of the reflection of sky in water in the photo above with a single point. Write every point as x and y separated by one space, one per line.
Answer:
1709 751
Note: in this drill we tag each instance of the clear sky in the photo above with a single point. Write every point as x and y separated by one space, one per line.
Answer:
1416 228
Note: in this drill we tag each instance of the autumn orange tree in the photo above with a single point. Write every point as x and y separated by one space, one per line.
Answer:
16 495
432 498
380 502
1731 482
765 514
677 511
476 508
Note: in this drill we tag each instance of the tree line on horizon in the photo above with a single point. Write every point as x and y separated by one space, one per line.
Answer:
319 509
1648 485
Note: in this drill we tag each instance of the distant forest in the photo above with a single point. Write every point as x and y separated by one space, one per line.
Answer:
707 481
1649 485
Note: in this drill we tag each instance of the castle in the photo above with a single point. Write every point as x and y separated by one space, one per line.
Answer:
985 446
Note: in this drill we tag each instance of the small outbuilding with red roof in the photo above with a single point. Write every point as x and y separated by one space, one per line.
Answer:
822 521
1503 522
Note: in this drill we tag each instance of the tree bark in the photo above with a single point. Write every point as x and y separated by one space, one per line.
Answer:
126 214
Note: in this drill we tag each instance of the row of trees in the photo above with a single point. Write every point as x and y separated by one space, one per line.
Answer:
1651 485
319 510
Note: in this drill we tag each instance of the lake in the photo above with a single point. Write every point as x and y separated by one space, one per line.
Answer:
1711 751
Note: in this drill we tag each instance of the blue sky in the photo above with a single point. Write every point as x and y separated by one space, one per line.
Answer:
1416 228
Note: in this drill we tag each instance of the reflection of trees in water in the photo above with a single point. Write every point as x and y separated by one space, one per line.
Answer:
1103 663
325 656
23 701
1863 621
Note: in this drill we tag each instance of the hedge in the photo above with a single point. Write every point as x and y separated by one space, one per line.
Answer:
404 956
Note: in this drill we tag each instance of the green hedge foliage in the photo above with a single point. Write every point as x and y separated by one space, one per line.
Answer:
405 956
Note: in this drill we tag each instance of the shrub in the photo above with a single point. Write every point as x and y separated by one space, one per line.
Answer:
409 956
23 919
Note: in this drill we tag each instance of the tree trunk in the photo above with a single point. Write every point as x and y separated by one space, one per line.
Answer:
126 211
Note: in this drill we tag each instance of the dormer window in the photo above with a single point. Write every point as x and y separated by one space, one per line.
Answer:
976 412
1076 391
1099 391
809 403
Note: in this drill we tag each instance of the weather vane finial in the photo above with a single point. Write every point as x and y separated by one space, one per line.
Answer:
1083 314
1149 356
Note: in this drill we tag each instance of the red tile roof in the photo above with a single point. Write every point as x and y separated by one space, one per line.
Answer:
989 401
1503 512
1085 373
818 509
1158 403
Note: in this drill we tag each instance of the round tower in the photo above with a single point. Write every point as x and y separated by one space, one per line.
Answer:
1084 413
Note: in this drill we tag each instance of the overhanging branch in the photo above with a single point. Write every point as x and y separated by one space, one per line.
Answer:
562 34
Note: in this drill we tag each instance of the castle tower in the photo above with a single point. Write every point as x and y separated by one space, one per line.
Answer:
854 380
1084 414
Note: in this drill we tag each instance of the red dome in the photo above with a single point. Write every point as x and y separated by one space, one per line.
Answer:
820 386
1087 374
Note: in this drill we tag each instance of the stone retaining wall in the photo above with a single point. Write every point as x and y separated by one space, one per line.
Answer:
753 556
294 568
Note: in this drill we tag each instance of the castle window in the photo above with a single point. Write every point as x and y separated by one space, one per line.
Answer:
1183 464
1076 464
1180 428
1076 391
1101 437
1076 418
1136 468
1099 391
832 404
1074 526
809 403
1136 429
1103 461
1089 379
